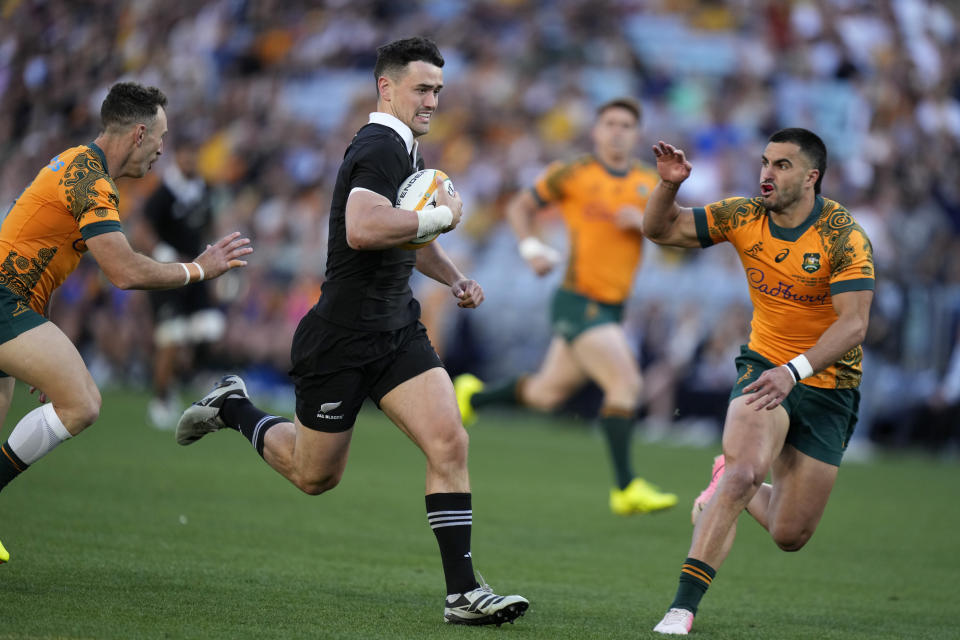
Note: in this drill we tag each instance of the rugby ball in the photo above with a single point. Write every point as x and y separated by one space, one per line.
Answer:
418 192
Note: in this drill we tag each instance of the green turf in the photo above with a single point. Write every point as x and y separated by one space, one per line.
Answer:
123 534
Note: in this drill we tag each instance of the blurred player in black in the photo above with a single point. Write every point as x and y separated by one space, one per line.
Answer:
179 220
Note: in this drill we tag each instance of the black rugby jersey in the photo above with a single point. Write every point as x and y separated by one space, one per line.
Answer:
369 290
180 213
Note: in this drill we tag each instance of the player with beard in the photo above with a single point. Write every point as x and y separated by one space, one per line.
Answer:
793 408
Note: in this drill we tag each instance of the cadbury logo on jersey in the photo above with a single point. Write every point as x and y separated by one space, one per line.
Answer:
811 262
756 279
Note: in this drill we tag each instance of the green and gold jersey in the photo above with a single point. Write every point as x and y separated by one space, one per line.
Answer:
44 234
603 257
792 274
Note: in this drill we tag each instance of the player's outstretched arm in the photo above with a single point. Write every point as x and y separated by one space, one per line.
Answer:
664 221
127 269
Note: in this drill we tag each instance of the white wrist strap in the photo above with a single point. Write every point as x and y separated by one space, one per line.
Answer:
799 368
203 276
186 280
433 220
531 247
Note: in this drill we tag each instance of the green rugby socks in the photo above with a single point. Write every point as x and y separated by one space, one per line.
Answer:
695 578
618 429
502 393
10 465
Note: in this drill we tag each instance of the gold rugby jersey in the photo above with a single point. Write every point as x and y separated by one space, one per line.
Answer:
44 234
603 257
792 274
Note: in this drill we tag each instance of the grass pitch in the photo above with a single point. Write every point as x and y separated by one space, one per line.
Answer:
123 534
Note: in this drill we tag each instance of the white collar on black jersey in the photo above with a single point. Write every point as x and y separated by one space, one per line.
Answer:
387 120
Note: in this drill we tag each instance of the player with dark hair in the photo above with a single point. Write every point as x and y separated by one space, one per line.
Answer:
364 338
70 208
178 219
602 196
793 408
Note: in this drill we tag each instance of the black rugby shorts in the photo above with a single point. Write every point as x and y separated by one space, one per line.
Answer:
335 369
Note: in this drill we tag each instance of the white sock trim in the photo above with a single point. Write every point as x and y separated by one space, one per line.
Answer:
55 422
37 434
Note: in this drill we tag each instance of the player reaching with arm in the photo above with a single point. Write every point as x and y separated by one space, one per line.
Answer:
71 208
364 338
793 409
601 196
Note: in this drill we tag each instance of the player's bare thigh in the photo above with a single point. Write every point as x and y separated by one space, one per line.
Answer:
557 379
604 353
752 440
425 409
43 357
801 487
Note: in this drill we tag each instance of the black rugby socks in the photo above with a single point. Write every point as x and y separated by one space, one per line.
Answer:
451 517
241 414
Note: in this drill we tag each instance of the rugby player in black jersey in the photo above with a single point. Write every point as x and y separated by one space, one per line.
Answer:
364 338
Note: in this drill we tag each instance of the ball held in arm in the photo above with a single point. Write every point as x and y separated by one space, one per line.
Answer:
419 193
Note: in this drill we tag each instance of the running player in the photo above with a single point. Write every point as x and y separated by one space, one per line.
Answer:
71 208
602 196
793 409
364 338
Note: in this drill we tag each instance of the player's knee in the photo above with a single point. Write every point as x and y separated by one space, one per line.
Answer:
790 538
449 447
81 412
315 485
625 393
740 481
544 400
91 407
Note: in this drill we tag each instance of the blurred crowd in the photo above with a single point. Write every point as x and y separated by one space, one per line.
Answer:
269 92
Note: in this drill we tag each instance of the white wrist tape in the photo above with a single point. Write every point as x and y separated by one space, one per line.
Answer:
186 280
203 276
800 367
433 220
531 247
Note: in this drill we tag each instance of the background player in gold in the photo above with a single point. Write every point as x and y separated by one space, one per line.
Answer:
72 207
601 196
794 407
